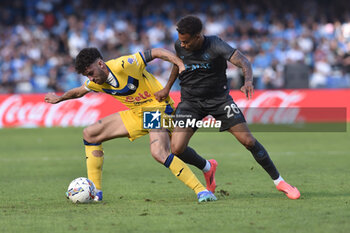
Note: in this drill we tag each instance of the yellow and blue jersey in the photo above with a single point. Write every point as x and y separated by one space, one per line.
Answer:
133 85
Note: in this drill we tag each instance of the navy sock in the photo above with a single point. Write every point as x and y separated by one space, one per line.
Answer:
263 158
169 160
190 156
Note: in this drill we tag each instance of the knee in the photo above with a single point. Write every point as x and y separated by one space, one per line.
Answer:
177 149
249 142
88 136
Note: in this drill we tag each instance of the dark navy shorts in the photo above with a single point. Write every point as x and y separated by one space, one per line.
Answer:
225 111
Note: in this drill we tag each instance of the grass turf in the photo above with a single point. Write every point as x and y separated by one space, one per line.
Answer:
140 195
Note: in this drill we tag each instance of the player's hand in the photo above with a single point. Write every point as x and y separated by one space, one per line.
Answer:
52 98
181 68
161 95
248 89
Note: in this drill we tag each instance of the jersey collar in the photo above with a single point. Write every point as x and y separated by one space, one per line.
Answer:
112 79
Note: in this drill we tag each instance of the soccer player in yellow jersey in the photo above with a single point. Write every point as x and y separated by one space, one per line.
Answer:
127 80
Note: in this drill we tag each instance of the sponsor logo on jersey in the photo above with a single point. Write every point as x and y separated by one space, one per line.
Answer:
192 67
140 96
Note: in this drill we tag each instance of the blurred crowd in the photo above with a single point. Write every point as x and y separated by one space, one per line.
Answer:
291 44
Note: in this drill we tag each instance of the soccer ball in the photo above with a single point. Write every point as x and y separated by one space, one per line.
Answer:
81 190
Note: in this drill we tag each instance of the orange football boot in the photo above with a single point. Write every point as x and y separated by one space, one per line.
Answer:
291 191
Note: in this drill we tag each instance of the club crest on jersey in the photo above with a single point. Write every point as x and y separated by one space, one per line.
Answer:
129 88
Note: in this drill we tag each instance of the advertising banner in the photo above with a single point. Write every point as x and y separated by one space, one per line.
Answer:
277 106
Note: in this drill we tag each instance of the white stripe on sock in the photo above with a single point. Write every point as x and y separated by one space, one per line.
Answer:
278 180
207 167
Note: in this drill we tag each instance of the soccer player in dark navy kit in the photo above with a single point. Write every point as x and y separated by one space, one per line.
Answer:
204 92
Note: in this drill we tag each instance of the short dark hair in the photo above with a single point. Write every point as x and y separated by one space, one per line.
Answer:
85 58
189 25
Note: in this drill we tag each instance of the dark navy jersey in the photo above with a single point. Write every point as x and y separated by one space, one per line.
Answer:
205 74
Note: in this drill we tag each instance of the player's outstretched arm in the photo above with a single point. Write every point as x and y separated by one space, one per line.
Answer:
238 59
74 93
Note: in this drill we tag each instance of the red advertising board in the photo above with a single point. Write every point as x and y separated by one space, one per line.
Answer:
279 106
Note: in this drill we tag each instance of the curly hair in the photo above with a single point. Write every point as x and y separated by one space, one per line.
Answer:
85 58
190 24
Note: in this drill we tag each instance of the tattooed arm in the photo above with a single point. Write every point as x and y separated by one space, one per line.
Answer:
238 59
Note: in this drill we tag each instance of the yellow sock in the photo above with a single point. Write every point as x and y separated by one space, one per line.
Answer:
184 173
94 163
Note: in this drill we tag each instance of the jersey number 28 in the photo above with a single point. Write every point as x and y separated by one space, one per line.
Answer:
231 110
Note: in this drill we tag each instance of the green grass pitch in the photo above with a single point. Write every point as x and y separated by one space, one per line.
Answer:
140 195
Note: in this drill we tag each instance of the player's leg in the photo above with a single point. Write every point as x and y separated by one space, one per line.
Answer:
107 128
245 137
160 150
232 120
181 136
180 139
208 167
179 147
